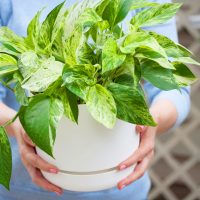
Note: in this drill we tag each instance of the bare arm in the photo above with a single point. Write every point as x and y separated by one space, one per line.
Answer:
165 114
32 162
7 114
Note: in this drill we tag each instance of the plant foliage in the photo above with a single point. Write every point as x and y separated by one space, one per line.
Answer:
81 55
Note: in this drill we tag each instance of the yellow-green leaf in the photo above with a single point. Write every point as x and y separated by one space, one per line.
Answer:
155 15
101 105
111 59
5 159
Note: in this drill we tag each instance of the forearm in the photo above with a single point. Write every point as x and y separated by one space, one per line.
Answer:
165 114
7 114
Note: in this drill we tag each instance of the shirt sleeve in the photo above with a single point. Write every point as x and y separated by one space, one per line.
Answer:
180 99
2 92
5 13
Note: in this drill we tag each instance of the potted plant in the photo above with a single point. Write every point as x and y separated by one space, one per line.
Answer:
79 63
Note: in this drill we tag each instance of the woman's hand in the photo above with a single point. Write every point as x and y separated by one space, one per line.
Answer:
32 162
165 114
141 157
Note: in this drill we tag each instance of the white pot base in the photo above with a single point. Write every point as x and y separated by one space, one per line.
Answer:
92 152
90 182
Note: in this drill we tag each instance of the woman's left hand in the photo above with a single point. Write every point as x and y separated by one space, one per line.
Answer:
141 157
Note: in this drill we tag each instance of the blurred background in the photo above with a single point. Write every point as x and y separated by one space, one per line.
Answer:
175 171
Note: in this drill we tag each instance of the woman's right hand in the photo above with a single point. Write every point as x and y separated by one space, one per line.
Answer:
32 162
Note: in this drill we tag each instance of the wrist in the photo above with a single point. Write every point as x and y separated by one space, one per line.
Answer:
15 128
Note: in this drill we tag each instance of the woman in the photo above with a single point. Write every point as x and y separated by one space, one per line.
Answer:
27 181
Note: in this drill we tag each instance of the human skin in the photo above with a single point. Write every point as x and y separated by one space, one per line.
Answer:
32 162
165 115
163 112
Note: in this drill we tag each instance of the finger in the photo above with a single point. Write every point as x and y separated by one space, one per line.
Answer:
29 155
147 144
138 172
39 180
148 157
27 139
137 156
140 129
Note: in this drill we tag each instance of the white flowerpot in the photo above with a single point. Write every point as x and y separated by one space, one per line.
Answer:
88 153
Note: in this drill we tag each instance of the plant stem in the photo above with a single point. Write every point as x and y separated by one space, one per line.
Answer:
6 85
10 121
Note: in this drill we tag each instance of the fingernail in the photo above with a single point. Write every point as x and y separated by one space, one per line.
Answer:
54 171
58 193
122 187
122 167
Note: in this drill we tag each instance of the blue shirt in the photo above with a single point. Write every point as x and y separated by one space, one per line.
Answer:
16 14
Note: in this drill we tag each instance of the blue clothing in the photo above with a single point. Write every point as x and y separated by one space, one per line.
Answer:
16 14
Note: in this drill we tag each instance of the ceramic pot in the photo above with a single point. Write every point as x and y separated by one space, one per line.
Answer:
87 154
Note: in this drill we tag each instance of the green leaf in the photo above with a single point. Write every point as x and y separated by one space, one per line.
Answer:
5 159
84 53
49 71
129 73
126 73
114 11
8 64
95 34
8 50
155 15
101 6
50 27
74 13
88 18
137 73
186 52
9 38
160 77
101 105
33 31
7 70
128 67
71 45
125 79
54 87
70 104
41 126
144 53
118 32
78 78
172 49
138 4
6 60
186 60
59 14
111 59
19 92
183 75
110 11
131 105
74 36
28 64
142 40
124 6
6 79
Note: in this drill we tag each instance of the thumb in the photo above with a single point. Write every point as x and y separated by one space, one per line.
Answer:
27 139
140 128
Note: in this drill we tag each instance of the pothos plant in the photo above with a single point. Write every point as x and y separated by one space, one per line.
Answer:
81 55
